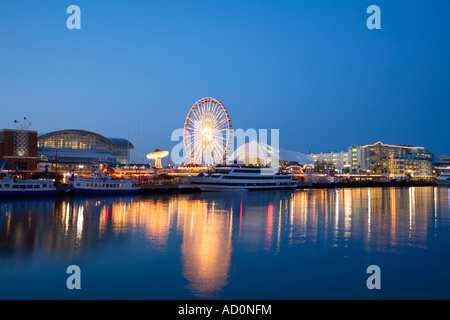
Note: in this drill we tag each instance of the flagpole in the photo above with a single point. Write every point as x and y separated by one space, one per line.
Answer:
138 144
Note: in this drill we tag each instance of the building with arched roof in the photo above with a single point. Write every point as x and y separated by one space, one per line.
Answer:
81 147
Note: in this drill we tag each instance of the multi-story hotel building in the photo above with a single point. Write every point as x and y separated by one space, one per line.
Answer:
395 160
340 160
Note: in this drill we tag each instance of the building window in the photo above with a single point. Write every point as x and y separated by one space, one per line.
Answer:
21 165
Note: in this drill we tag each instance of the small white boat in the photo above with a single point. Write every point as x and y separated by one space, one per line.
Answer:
100 184
235 177
10 187
443 179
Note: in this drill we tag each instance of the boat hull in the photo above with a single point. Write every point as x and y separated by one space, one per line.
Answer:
26 188
27 194
225 188
100 192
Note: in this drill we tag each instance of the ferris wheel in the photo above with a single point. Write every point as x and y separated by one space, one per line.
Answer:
207 132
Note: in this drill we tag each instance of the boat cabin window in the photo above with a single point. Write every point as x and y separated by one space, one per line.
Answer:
6 186
215 175
247 171
15 186
44 185
223 170
36 186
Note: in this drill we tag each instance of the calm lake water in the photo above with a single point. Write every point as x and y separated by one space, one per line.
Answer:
303 244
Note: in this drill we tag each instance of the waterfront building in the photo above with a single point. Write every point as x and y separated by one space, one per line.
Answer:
353 157
442 164
396 160
338 160
18 150
393 160
81 149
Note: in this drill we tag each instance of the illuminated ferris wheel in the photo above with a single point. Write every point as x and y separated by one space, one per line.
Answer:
207 132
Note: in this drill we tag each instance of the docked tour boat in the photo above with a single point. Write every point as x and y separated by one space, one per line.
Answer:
234 177
10 187
100 184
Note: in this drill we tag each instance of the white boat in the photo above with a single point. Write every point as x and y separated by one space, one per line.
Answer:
100 184
11 187
234 177
443 179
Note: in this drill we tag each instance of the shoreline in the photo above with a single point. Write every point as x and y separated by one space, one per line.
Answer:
365 184
64 190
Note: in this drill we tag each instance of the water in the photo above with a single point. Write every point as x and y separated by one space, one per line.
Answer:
303 244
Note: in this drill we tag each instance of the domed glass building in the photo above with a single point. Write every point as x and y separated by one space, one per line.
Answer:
79 146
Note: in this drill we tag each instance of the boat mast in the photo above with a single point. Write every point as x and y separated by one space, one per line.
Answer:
56 168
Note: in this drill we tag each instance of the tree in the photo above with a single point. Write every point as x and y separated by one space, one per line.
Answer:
321 165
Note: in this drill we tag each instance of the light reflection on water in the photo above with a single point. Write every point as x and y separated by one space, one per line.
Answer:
197 243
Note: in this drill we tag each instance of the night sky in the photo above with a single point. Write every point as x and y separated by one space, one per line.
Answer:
310 68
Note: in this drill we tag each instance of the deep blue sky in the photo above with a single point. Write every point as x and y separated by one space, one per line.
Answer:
310 68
